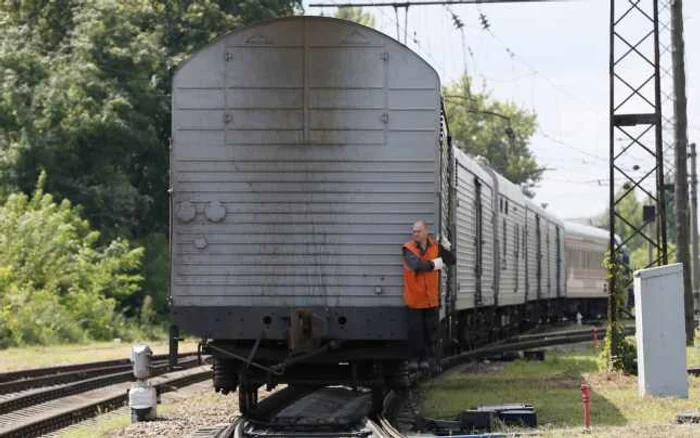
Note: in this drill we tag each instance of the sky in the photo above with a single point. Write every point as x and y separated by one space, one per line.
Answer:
550 58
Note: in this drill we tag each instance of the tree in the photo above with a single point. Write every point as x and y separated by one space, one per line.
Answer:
497 131
357 15
631 208
56 282
86 95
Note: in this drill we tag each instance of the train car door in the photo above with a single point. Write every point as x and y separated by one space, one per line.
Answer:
549 262
559 285
538 233
479 244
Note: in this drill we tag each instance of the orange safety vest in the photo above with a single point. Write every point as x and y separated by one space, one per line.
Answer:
420 289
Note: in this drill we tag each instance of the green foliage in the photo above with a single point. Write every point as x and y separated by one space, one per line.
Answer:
631 208
85 94
357 15
155 285
498 131
56 283
625 359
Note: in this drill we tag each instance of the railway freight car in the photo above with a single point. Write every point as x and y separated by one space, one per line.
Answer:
303 149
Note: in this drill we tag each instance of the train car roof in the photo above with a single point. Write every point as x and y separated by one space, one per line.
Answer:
510 190
586 231
543 213
473 165
256 35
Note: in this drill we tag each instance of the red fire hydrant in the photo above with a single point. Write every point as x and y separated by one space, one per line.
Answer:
594 333
586 399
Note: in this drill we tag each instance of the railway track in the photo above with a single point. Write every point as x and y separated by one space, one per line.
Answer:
36 410
343 412
54 372
528 342
304 412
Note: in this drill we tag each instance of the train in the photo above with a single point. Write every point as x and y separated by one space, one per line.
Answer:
303 149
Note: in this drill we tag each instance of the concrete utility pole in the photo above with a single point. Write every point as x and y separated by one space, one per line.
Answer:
694 224
681 150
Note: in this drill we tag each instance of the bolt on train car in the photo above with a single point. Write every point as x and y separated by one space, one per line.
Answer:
303 149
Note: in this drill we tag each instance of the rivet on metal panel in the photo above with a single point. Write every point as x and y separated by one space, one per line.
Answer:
215 211
186 211
385 118
200 242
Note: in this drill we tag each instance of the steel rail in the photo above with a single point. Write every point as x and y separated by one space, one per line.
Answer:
51 422
457 359
37 372
36 397
70 376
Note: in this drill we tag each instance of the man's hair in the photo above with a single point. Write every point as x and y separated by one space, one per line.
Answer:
421 222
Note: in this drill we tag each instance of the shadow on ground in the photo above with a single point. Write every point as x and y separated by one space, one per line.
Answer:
552 387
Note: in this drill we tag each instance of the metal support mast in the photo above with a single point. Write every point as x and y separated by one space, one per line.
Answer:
635 119
694 223
681 162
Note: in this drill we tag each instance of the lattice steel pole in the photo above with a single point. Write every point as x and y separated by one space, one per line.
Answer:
635 116
667 94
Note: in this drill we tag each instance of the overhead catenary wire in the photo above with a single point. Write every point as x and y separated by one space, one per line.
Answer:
591 158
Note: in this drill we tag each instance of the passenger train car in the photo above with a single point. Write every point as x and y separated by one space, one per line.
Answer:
303 149
586 285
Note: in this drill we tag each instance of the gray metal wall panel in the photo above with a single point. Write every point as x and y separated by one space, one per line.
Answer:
298 182
564 262
585 280
553 260
489 252
466 234
531 255
286 296
466 238
512 285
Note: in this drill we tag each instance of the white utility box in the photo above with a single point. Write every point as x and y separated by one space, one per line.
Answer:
660 320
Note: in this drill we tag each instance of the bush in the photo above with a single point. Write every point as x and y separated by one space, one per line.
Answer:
626 358
56 284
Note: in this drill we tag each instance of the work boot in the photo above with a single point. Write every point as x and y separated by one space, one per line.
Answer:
424 365
412 366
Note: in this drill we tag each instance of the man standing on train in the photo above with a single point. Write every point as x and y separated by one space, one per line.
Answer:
423 258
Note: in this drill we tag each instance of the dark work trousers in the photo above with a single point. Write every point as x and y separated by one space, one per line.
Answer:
422 332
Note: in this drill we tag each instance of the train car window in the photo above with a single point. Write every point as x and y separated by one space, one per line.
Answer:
507 206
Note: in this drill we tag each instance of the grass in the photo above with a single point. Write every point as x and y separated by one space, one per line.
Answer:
109 422
99 426
553 388
52 355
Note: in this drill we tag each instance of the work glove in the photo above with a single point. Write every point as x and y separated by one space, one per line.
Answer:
445 243
438 264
